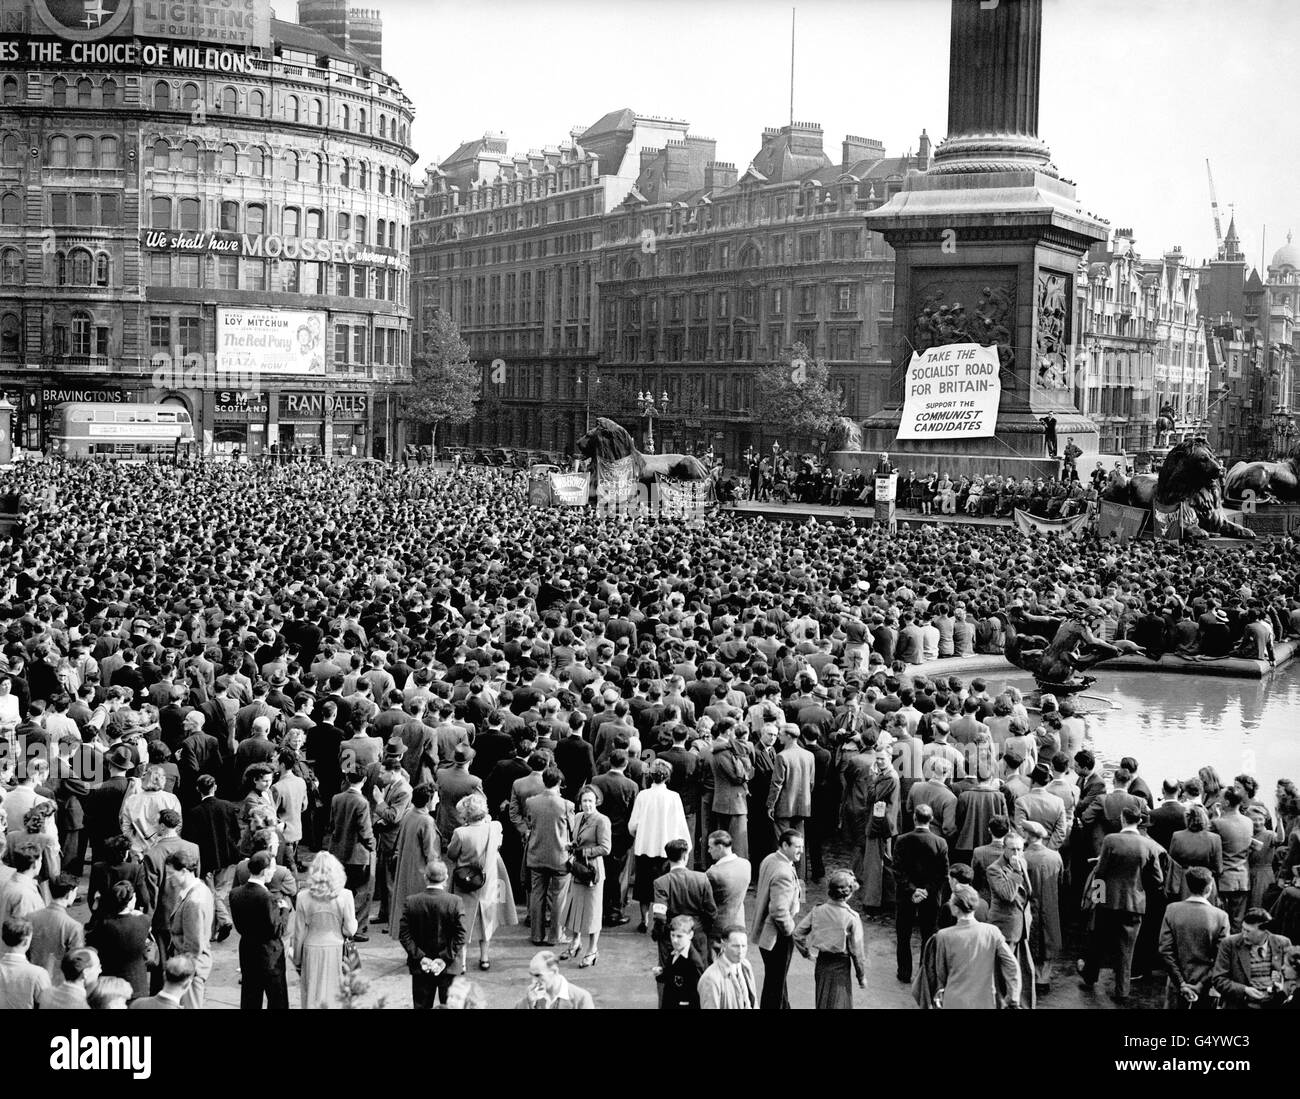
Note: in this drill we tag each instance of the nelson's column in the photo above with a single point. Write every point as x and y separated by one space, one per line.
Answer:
987 243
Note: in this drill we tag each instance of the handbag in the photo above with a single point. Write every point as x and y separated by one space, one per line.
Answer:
584 873
473 876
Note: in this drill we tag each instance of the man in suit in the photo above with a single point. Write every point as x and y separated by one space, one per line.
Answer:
789 797
732 763
1009 897
1236 831
352 842
102 804
1044 808
729 877
729 984
682 892
548 820
1247 968
392 799
199 754
1169 816
825 801
920 873
548 990
1189 944
1129 862
159 888
574 759
778 898
419 744
454 782
618 793
432 932
260 920
190 930
178 975
213 825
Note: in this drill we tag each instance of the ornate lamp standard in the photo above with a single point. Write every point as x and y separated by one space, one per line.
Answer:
646 407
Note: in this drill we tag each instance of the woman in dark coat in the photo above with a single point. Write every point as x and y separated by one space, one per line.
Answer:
122 937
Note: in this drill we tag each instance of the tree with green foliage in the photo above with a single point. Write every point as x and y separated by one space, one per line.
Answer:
445 383
796 394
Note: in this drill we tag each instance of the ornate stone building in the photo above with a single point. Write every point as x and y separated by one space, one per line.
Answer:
158 193
630 258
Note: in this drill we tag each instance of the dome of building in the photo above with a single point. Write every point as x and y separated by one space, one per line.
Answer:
1287 256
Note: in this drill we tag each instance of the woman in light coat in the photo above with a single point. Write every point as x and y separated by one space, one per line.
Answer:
477 842
584 906
324 917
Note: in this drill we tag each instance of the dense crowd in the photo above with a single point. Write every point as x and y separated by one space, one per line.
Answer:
296 702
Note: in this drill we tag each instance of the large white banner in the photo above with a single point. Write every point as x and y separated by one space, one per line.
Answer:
272 341
952 393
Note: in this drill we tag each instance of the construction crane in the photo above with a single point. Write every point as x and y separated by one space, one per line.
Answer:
1214 208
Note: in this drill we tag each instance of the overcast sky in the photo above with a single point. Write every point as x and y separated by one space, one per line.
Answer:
1135 95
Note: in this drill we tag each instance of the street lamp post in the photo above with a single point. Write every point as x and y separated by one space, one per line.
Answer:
645 403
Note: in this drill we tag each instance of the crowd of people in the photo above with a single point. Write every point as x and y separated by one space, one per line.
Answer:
296 703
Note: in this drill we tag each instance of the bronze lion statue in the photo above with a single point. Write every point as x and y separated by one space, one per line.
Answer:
1191 475
1269 481
607 441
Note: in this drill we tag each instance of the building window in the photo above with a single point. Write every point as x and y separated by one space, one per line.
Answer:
187 333
84 152
229 160
289 276
228 272
256 104
85 92
844 298
59 92
11 152
808 247
229 101
315 223
256 162
108 154
11 267
160 213
160 269
313 112
255 219
229 221
345 117
358 345
292 167
778 300
110 209
252 274
102 272
291 219
291 108
189 97
81 333
80 267
83 209
10 339
724 305
189 157
162 155
359 229
189 213
162 96
10 91
359 281
807 299
311 278
724 255
342 279
341 344
187 271
11 209
344 226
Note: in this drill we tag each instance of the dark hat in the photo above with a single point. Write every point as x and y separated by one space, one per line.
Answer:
121 758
